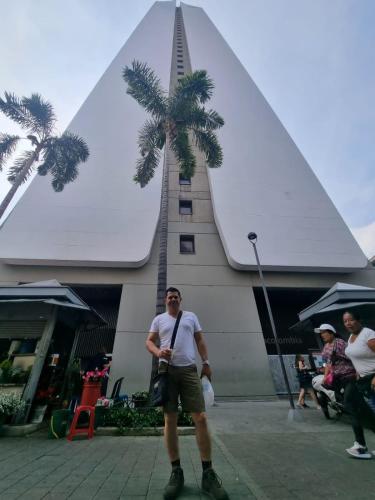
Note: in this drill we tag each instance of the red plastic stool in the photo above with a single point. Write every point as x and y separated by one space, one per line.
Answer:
74 430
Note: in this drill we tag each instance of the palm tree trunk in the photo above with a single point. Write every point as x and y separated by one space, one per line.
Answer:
163 248
19 180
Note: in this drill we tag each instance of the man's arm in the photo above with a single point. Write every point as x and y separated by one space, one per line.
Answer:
202 349
154 349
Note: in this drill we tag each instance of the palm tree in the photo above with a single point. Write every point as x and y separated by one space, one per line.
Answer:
175 118
57 155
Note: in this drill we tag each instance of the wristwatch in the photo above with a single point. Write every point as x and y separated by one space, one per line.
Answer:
206 362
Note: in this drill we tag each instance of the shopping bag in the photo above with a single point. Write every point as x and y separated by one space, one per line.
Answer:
208 392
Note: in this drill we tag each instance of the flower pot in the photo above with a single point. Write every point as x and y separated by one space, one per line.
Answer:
91 393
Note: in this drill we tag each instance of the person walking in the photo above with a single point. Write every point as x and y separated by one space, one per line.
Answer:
183 382
361 351
305 382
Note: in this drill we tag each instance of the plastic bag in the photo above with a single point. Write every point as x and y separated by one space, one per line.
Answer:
208 392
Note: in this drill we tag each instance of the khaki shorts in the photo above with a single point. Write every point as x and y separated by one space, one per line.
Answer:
183 381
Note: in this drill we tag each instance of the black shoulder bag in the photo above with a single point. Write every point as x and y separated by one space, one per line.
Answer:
159 386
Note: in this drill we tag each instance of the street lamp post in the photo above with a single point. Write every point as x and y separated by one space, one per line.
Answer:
253 239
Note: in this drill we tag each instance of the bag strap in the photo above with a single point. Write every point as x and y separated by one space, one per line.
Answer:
333 355
175 330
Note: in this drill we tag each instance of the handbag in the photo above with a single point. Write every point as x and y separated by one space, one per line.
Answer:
159 386
330 379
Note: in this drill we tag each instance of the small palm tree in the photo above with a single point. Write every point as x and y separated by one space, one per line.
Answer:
174 120
59 156
173 117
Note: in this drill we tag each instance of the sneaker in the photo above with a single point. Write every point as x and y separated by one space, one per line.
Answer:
359 451
305 405
175 484
212 485
299 406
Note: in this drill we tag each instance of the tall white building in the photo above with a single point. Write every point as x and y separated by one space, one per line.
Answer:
102 229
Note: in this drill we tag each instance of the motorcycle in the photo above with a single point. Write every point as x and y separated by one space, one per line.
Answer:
330 401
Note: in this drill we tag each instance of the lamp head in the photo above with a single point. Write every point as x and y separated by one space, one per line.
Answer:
252 237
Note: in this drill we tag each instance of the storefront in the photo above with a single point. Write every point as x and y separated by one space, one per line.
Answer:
39 328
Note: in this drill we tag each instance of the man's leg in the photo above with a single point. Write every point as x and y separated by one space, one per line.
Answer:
170 435
202 436
176 481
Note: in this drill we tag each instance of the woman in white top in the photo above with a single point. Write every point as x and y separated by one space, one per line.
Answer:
361 351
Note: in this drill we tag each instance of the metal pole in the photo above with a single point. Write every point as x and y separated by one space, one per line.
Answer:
291 401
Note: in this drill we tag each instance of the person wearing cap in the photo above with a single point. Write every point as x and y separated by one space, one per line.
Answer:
334 347
328 336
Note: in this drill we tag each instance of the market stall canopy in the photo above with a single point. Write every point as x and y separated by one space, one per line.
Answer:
53 293
339 293
330 307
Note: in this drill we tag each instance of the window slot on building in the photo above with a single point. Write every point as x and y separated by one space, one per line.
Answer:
187 243
180 66
180 72
185 207
184 181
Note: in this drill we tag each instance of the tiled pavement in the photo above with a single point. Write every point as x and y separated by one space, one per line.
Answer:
257 453
104 467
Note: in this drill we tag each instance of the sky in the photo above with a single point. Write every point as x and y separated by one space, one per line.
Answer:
313 60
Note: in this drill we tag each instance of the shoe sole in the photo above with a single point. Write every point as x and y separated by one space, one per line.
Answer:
363 456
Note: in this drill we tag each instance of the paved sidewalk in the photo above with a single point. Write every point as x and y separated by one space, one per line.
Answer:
104 467
289 461
257 453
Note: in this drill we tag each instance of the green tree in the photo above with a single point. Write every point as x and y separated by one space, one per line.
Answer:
57 155
178 121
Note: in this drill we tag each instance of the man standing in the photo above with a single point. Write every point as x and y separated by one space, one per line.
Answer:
183 382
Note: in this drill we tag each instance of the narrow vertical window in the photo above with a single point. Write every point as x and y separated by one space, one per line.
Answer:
186 207
187 243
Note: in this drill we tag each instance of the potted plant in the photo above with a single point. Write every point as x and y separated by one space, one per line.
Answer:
140 399
92 384
12 380
10 404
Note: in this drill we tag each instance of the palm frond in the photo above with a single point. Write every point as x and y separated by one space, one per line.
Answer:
62 156
151 135
19 165
33 114
41 112
198 117
208 143
184 153
145 87
8 144
146 166
194 87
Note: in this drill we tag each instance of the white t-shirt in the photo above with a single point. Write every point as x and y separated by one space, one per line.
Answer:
183 353
362 357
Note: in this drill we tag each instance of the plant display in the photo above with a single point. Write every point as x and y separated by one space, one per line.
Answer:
125 418
10 375
143 395
95 375
10 404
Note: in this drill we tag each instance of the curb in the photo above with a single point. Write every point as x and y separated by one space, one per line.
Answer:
20 430
145 431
